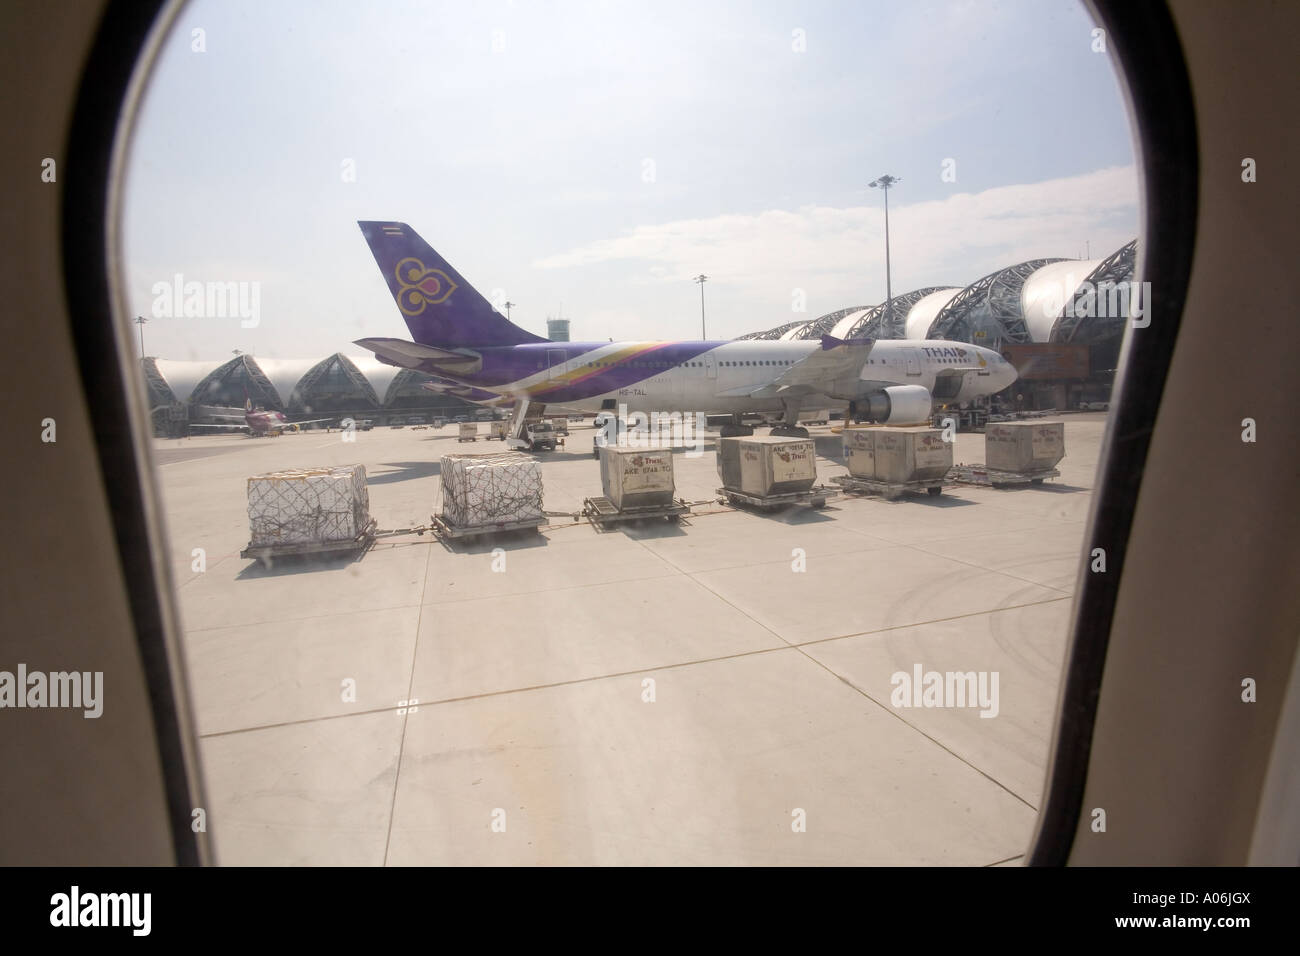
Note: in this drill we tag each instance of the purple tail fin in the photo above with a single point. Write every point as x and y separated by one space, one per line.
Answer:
439 306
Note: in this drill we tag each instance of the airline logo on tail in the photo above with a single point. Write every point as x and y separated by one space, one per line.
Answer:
420 286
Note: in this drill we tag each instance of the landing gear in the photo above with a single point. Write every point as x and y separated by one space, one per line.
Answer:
789 427
736 431
789 431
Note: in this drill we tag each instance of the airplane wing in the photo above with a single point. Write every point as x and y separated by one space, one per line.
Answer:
232 425
406 354
836 358
310 421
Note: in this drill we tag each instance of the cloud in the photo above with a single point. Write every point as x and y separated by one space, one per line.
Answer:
837 254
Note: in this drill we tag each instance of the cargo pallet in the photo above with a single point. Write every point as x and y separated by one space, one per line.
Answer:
890 489
267 553
601 511
814 498
445 529
980 475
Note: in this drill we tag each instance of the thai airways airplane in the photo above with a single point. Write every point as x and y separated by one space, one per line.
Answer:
461 338
259 422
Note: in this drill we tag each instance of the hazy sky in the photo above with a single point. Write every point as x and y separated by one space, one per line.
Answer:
595 156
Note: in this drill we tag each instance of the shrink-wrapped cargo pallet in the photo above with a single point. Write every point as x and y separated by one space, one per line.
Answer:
637 477
483 490
308 506
766 465
1024 447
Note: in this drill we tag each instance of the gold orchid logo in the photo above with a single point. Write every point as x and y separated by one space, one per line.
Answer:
420 286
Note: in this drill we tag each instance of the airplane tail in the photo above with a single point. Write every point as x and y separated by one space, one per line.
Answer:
439 306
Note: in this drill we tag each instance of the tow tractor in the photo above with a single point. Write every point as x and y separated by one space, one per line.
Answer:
528 430
539 436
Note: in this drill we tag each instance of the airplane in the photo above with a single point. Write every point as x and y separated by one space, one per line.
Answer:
259 422
461 338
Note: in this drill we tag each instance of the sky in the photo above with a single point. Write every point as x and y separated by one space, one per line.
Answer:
588 159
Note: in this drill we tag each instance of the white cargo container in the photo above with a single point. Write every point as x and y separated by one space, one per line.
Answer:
765 465
903 455
468 431
308 506
1024 447
636 477
487 490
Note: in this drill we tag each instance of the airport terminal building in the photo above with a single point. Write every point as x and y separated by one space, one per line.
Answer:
1058 321
339 386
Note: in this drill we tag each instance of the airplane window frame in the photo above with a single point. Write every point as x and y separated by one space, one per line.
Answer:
1153 78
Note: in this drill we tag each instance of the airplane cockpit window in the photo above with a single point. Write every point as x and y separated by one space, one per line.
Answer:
446 602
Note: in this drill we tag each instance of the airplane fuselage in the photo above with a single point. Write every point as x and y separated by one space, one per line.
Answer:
718 376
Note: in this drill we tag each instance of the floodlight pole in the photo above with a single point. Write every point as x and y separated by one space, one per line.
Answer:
700 280
140 320
508 305
883 184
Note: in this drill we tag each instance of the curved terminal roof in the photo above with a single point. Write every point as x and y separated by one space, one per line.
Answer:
1100 307
333 384
181 377
1011 305
284 374
160 393
827 323
234 382
921 316
1047 290
841 328
989 308
889 319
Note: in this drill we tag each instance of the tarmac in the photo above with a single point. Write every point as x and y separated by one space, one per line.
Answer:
719 691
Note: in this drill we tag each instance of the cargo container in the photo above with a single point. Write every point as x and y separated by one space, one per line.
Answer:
636 477
902 455
561 425
468 431
1024 447
766 465
860 451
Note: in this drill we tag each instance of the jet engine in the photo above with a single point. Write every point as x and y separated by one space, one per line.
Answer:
896 405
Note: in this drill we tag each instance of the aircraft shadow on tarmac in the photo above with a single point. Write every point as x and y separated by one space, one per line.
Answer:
406 470
1053 486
